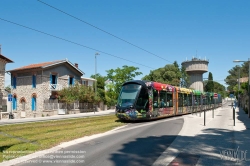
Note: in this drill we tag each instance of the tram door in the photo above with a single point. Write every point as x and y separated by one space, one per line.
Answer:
156 101
175 101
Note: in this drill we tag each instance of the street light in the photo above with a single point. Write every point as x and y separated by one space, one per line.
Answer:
95 73
248 84
239 88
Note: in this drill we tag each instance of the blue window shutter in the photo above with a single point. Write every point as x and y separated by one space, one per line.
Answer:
14 82
33 81
56 79
73 81
33 104
50 78
14 103
69 81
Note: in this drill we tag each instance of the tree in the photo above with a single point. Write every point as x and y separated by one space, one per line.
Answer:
100 86
8 88
184 78
233 76
79 93
210 83
219 88
170 74
119 76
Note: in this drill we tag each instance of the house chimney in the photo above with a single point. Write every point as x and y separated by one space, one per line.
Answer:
76 65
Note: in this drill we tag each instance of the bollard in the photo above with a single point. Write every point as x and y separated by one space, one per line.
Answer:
234 115
213 113
204 117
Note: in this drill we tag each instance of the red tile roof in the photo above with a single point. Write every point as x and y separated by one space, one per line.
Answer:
6 59
38 65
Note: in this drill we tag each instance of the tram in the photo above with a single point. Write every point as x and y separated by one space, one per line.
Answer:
145 100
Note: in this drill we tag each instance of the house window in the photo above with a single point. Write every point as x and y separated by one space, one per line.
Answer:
14 103
14 82
33 102
33 81
23 104
71 81
53 79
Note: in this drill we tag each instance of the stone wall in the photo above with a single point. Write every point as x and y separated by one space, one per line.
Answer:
2 79
25 90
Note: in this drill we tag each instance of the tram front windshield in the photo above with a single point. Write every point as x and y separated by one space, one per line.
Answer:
128 95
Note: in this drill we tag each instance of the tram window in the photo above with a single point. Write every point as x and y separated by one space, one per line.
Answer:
190 100
180 99
198 99
163 99
185 100
142 100
169 100
155 98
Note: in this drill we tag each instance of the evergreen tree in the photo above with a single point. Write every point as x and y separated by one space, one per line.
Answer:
210 83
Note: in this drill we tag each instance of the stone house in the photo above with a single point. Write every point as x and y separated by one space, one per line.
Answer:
3 61
35 83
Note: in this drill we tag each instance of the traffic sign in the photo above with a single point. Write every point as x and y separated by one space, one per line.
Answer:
9 97
215 95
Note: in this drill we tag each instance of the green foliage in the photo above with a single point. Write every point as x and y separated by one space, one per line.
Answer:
235 73
8 88
100 86
117 77
170 74
219 88
79 93
184 78
210 83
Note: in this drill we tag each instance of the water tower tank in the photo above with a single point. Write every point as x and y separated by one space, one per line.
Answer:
195 69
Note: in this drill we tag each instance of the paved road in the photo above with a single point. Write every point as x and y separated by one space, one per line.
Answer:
135 144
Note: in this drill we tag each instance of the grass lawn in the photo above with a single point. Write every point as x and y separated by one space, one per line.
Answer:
22 139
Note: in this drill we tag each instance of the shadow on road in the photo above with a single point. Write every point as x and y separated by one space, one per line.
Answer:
215 147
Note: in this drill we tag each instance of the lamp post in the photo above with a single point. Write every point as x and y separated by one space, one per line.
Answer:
248 84
95 81
239 88
95 74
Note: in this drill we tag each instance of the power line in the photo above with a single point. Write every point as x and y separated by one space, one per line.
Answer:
73 42
103 30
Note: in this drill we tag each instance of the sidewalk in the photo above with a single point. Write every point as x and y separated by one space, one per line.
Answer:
56 117
217 143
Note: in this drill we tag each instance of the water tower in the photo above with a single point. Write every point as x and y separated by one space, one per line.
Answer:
195 69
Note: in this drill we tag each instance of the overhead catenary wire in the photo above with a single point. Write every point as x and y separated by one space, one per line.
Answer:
94 49
103 30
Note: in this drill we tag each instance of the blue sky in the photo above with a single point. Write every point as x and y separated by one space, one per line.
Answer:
174 30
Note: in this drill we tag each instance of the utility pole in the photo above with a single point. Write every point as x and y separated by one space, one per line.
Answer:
95 109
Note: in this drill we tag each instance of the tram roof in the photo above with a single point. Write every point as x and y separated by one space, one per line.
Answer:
140 82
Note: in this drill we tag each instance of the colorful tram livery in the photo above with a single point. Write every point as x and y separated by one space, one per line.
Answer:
141 100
